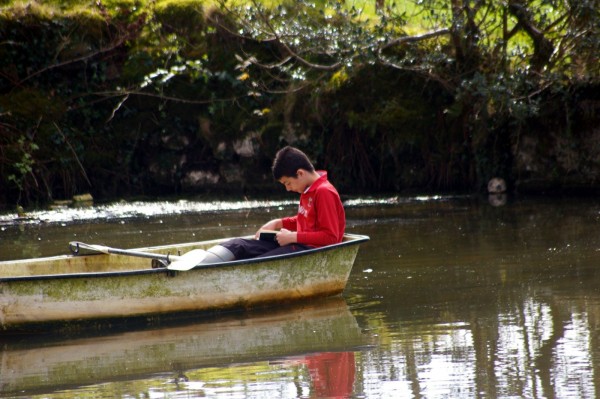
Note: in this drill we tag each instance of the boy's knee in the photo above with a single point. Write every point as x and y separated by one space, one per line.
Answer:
235 246
218 254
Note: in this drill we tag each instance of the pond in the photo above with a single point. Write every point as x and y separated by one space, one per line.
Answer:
451 297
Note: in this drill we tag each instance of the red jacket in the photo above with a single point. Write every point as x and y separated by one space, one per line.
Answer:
321 219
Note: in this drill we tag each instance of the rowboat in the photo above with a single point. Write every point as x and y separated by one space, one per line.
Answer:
101 289
38 365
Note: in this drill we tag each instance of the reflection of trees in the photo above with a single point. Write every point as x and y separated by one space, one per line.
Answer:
485 346
484 302
544 359
525 351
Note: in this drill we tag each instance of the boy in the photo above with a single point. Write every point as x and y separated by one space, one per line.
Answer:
320 221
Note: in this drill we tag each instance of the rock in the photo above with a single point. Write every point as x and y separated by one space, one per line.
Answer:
496 185
83 198
199 178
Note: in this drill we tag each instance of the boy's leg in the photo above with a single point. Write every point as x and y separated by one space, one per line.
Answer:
286 249
244 248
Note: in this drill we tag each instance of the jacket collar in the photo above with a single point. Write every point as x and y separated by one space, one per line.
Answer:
318 182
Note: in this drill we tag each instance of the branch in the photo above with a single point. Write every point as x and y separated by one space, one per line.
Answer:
424 72
399 41
274 37
214 18
252 60
308 63
74 154
115 109
416 38
107 95
119 42
542 46
71 61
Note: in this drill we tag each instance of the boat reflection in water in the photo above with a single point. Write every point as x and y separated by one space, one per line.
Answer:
321 335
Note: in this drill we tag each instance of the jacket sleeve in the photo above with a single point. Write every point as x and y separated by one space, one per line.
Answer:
289 223
330 221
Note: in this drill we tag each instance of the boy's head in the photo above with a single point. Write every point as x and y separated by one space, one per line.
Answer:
288 161
292 168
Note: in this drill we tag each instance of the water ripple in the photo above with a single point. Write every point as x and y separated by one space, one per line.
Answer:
136 209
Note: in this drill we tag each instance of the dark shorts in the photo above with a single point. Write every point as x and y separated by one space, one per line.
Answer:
244 248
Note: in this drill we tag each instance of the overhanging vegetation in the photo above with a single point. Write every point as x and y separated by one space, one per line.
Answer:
124 98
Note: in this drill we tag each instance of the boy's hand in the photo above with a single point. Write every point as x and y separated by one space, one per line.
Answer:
285 237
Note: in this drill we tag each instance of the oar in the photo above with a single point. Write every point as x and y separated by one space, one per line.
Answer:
188 260
184 262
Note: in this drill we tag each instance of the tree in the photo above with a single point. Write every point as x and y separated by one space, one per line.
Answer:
496 60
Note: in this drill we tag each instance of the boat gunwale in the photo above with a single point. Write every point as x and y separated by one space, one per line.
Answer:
355 240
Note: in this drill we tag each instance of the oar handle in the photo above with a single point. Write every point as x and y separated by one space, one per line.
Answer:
75 247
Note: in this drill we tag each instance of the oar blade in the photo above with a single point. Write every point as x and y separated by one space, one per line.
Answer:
188 260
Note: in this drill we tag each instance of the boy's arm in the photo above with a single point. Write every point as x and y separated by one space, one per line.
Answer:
274 224
289 223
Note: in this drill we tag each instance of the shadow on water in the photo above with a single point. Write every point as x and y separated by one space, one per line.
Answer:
457 298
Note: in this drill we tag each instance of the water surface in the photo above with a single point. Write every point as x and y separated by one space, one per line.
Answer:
452 297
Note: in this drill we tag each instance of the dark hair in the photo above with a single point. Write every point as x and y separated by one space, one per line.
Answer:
287 162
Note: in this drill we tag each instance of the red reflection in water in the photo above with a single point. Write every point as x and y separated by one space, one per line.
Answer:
332 373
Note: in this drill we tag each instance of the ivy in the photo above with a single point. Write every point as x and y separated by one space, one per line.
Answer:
23 166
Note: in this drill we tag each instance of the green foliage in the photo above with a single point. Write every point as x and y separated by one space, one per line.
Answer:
125 97
23 162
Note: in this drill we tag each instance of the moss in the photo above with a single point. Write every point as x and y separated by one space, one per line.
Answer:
181 16
123 6
88 22
29 10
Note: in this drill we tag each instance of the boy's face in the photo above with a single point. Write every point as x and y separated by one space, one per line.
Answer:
296 184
